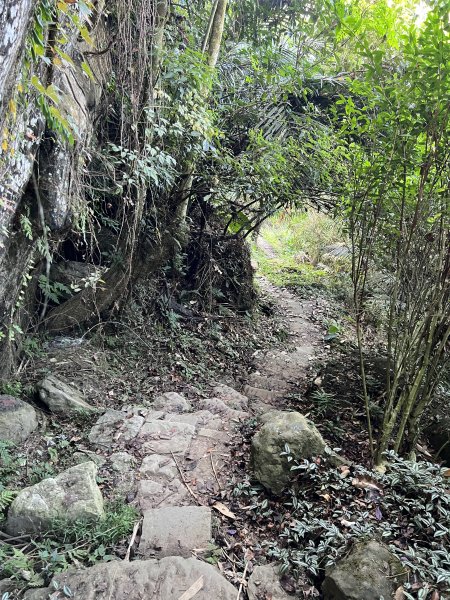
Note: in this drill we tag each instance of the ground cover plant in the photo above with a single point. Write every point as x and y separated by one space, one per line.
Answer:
327 509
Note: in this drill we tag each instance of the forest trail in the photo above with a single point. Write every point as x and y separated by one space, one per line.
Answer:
172 459
278 372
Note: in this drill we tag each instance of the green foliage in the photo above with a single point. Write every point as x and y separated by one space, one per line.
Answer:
397 131
6 497
297 240
47 51
11 388
67 545
407 507
55 291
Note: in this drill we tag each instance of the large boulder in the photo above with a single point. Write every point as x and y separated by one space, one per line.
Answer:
278 429
61 397
166 579
70 496
369 572
17 419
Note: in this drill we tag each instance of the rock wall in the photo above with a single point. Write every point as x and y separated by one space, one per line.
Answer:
39 172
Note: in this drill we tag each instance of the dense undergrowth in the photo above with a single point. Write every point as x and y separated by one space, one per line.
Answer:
327 509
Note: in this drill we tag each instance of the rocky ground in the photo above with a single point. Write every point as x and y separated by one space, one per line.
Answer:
176 458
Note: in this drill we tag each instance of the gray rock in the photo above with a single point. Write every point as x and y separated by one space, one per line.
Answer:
72 495
199 418
171 402
166 579
17 419
61 397
280 428
264 582
159 493
158 466
218 407
122 462
231 397
165 437
369 572
115 426
7 585
85 456
175 531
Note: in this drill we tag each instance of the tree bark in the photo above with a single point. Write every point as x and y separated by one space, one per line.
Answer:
212 44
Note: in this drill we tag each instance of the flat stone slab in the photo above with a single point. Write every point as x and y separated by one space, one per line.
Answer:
231 397
218 407
70 496
115 426
172 402
175 531
18 419
158 466
122 464
159 494
166 437
166 579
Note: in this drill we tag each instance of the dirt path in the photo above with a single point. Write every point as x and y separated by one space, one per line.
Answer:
278 372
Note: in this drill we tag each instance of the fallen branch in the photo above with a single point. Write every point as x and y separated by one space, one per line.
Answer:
242 581
193 494
214 471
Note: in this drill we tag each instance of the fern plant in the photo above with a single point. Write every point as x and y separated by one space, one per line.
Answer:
6 497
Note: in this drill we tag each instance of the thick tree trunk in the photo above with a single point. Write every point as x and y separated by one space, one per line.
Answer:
31 205
15 18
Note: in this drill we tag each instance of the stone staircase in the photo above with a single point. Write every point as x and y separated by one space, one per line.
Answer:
170 458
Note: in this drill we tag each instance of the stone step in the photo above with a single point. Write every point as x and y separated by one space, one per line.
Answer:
175 531
266 396
268 383
166 579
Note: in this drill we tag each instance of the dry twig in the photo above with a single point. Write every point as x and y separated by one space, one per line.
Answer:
133 538
183 479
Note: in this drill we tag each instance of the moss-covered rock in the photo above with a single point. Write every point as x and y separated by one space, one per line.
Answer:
280 428
70 496
369 572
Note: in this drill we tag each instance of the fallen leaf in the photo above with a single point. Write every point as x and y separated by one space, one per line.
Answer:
399 594
446 473
192 591
224 510
365 483
346 523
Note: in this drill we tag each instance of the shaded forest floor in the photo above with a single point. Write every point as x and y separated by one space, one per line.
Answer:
297 353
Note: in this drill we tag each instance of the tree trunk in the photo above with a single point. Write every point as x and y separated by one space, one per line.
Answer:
212 43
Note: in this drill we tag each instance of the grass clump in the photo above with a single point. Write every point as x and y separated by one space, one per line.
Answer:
33 562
